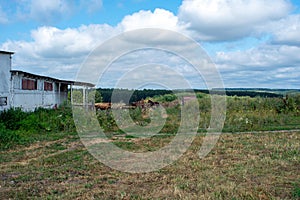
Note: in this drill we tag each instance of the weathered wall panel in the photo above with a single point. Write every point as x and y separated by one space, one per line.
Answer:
29 91
5 65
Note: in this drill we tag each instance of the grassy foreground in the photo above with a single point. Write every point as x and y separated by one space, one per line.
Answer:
241 166
42 156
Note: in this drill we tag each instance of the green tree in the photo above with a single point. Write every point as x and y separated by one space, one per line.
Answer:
77 96
94 96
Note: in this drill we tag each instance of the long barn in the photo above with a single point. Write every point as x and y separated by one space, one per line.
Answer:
19 89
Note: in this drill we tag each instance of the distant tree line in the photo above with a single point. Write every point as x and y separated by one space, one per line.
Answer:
137 95
129 96
133 95
242 93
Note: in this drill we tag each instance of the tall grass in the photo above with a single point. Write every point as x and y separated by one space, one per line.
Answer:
243 114
18 127
254 114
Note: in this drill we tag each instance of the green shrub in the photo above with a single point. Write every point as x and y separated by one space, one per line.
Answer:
7 137
106 121
165 98
18 127
11 118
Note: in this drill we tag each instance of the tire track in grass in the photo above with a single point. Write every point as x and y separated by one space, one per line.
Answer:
77 145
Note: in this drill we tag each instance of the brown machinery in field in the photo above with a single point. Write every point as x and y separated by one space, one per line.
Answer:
139 104
103 106
145 104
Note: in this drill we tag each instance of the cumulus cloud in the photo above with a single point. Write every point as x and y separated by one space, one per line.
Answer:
61 52
57 52
54 42
52 48
276 65
158 47
160 18
230 19
287 31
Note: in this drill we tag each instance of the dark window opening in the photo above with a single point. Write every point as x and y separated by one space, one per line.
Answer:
64 88
48 86
28 84
3 101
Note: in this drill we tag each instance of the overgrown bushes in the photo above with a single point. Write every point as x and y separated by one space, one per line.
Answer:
8 137
19 127
243 114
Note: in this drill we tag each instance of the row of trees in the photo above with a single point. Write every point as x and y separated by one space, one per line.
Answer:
132 95
127 95
116 95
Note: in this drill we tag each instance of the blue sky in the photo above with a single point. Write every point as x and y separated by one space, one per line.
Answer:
254 43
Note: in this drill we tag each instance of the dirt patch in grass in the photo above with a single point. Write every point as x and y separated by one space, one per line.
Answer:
241 166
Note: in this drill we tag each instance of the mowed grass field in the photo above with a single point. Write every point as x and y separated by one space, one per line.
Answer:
256 157
261 165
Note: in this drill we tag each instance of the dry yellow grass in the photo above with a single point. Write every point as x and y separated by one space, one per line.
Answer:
241 166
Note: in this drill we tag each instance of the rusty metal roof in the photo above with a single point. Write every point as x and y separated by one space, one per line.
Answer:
69 82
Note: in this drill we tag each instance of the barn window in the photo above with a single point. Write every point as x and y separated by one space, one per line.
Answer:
3 101
64 88
28 84
48 86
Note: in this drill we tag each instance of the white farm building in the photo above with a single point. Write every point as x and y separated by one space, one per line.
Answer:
28 91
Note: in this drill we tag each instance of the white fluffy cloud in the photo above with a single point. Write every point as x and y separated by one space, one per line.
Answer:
60 52
230 19
287 31
160 18
51 42
276 65
54 42
57 52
